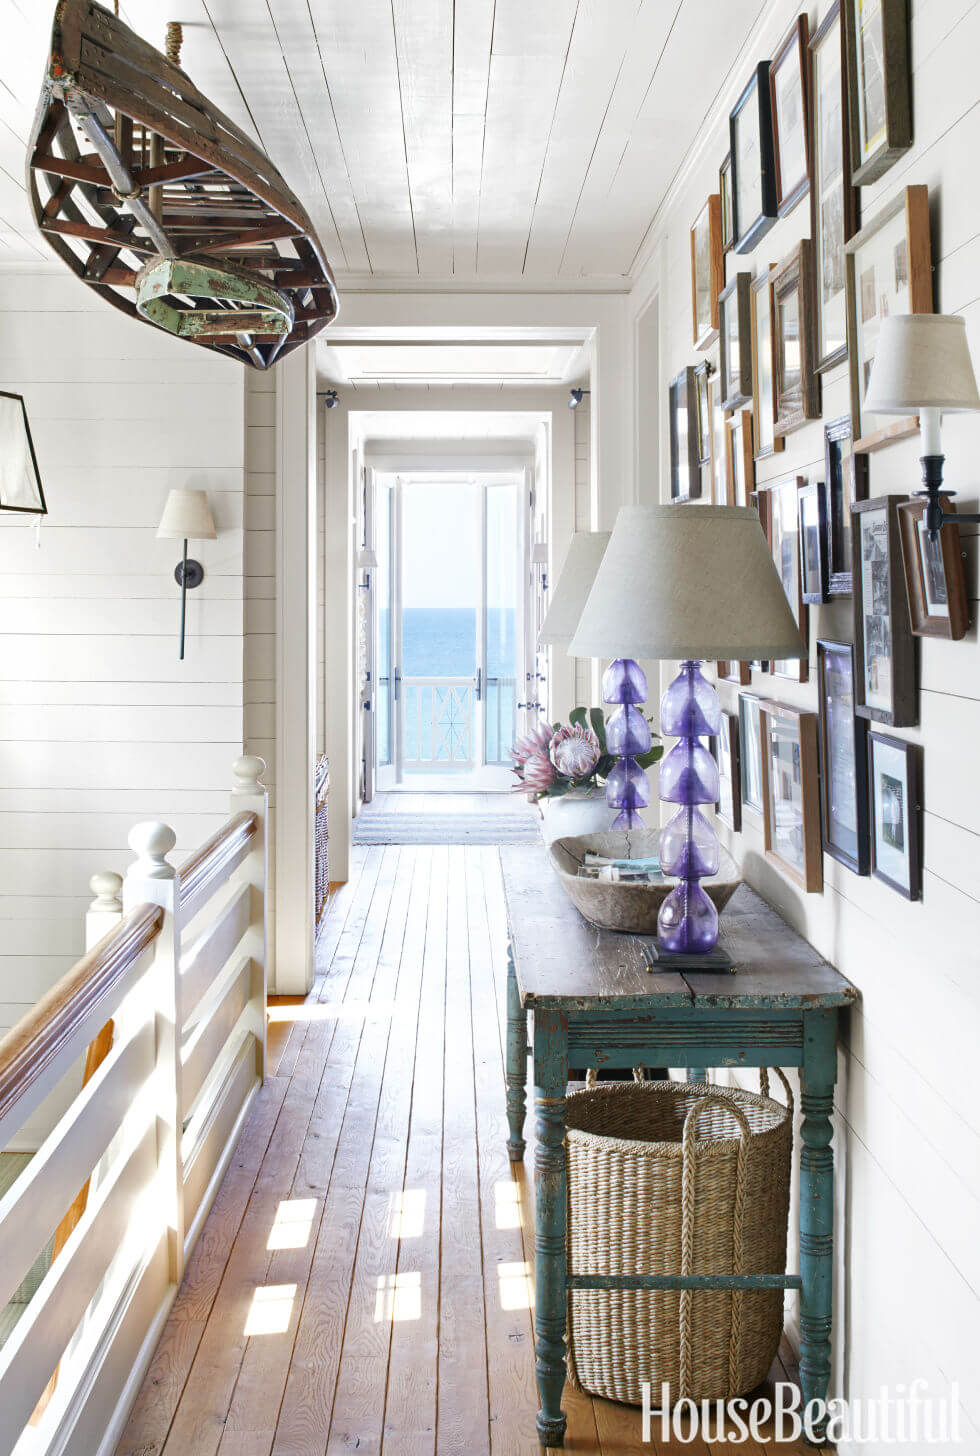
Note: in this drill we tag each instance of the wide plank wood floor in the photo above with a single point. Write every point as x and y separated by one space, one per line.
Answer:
363 1282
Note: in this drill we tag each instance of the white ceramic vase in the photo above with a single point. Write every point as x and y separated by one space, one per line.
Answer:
579 811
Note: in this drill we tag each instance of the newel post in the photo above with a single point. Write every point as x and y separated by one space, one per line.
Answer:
153 880
250 795
106 909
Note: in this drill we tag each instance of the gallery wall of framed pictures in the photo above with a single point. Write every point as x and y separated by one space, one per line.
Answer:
791 279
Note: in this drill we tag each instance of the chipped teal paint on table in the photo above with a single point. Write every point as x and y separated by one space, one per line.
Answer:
595 1002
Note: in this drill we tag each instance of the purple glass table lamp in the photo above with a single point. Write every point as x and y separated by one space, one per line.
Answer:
680 583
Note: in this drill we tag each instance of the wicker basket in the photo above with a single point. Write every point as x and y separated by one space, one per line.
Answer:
661 1180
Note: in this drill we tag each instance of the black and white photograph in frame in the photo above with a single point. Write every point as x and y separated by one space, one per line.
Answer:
846 478
813 543
896 813
685 468
843 759
726 750
753 162
885 648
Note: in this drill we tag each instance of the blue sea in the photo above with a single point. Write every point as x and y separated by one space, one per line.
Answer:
440 642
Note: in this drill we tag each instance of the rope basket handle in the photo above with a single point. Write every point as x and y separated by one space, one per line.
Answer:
689 1157
764 1085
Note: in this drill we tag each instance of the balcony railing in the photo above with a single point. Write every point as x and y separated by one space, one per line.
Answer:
167 1012
440 721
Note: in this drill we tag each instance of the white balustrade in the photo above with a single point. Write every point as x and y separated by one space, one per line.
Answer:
167 1008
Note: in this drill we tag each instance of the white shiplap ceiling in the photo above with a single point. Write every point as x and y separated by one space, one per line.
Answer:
489 140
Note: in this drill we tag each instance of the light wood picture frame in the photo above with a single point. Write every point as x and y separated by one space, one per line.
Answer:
750 750
934 577
781 518
887 270
791 793
685 467
707 272
754 208
846 477
735 341
895 798
767 442
740 459
833 200
843 760
812 503
789 103
795 381
725 747
879 85
885 682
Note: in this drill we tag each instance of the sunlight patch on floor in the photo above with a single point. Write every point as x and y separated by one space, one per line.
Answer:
398 1298
514 1281
292 1224
270 1310
406 1214
333 1011
507 1204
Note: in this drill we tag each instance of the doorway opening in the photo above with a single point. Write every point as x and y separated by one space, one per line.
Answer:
447 628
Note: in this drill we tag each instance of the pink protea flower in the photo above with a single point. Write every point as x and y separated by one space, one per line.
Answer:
539 738
575 752
539 772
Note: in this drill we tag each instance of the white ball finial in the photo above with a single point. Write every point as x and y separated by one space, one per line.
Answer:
107 889
151 842
248 772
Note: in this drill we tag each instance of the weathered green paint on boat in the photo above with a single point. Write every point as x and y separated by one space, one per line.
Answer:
248 304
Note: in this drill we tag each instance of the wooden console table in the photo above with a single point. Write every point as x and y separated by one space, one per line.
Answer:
596 1003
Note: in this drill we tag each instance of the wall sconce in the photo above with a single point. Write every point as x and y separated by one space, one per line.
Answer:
575 397
187 515
330 398
539 558
922 366
20 481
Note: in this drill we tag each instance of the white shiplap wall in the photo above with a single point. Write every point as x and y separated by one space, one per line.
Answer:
583 522
100 723
908 1124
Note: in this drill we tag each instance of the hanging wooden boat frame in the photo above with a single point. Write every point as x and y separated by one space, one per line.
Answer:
171 192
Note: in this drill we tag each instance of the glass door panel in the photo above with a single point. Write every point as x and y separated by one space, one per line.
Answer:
504 624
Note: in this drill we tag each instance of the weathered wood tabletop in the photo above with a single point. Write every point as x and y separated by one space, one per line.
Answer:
565 963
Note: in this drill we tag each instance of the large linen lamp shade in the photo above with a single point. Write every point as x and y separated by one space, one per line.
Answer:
574 584
187 516
685 581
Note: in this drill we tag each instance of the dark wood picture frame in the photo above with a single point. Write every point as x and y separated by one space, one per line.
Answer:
846 479
730 772
915 266
735 353
776 718
833 200
812 502
750 739
41 509
878 140
702 410
753 111
727 197
767 442
777 513
793 55
910 805
731 671
682 395
938 603
879 582
849 738
707 272
796 393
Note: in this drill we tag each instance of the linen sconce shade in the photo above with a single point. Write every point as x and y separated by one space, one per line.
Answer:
685 582
574 584
922 361
187 516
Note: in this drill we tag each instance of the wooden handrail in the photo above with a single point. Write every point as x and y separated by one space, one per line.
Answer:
30 1046
216 855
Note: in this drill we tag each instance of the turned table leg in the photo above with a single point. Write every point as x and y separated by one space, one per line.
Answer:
550 1078
516 1069
818 1075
